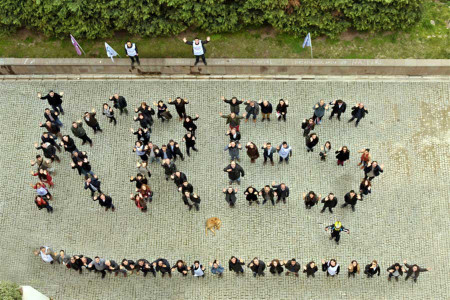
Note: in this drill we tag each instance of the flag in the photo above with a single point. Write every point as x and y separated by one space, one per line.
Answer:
307 41
76 45
110 52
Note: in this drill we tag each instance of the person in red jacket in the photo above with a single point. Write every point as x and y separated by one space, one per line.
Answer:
43 203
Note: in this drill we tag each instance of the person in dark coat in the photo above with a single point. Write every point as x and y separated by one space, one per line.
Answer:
189 139
189 125
51 139
252 151
180 106
234 104
174 149
358 112
105 201
311 142
268 152
139 179
163 112
267 193
342 155
169 168
235 172
52 116
329 202
129 265
235 265
395 271
350 199
257 266
147 112
292 266
373 170
163 266
186 187
119 103
311 199
282 110
54 100
91 121
266 109
142 134
371 269
93 184
191 200
145 266
235 136
78 131
52 128
252 108
230 196
251 195
69 144
48 150
310 269
181 267
336 229
198 48
414 271
275 267
365 188
308 126
163 153
338 108
178 178
282 191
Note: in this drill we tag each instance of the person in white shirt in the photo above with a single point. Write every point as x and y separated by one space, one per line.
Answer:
331 267
198 48
46 254
132 52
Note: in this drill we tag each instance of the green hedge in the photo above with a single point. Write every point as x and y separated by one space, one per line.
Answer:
9 291
101 18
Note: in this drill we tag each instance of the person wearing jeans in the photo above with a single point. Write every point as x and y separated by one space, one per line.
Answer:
284 151
233 150
252 108
268 152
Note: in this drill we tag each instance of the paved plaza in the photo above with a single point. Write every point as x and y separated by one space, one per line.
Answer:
406 217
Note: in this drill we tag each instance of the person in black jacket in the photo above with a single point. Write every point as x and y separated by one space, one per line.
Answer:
128 265
282 110
329 201
268 152
191 200
186 187
282 191
189 138
234 172
350 199
178 178
144 122
48 150
251 195
198 48
267 193
91 121
181 267
311 142
139 179
235 265
169 168
51 139
147 113
336 229
52 128
163 266
310 269
234 104
144 266
414 271
395 271
68 143
105 201
342 155
308 126
311 199
142 134
276 267
52 116
257 266
358 112
365 188
230 196
174 149
234 135
180 106
93 184
292 266
74 264
266 109
339 108
371 269
373 170
163 112
120 103
54 100
189 125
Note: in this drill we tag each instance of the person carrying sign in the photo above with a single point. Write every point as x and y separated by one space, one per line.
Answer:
198 48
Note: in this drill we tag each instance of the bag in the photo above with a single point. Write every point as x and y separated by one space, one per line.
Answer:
122 102
166 115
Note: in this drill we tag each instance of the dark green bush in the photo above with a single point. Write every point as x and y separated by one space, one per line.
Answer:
101 18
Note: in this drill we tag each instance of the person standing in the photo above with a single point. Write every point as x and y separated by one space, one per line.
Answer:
310 269
42 191
139 179
105 201
292 266
197 269
319 111
180 106
46 254
365 188
174 149
129 265
185 187
109 113
69 144
235 265
275 267
52 128
342 155
189 125
48 150
350 199
282 191
91 121
353 269
257 266
141 150
131 51
163 112
120 103
52 116
282 110
252 108
44 176
181 267
235 136
189 139
79 132
233 119
179 178
414 271
235 172
365 158
266 110
169 168
252 152
234 104
198 48
308 126
311 142
336 229
329 202
145 113
358 112
373 170
99 266
41 203
268 152
93 184
54 100
230 196
371 269
191 200
311 199
44 164
331 267
216 268
139 202
51 139
113 267
233 151
251 195
142 134
395 271
267 193
339 108
162 265
284 151
144 266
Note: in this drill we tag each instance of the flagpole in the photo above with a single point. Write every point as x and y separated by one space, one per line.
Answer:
310 39
311 52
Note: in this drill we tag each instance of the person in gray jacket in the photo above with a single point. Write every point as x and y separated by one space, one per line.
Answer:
233 150
319 111
414 271
268 152
99 266
79 132
252 108
230 196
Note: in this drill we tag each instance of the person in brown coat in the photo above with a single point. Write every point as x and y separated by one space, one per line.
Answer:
91 121
252 151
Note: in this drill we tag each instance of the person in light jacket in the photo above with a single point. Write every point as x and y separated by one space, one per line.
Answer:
284 151
198 48
216 268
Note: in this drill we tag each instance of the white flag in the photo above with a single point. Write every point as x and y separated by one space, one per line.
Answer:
110 52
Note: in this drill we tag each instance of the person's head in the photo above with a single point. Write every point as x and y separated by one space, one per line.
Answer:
397 266
189 134
366 151
178 173
312 264
140 116
230 190
185 183
51 93
352 193
139 176
196 263
102 196
327 145
141 263
265 102
311 194
339 101
107 263
232 144
145 187
233 100
250 189
252 145
354 263
313 135
281 102
252 103
267 188
38 185
283 186
322 102
275 262
269 145
143 104
88 180
97 259
233 115
116 96
125 262
138 144
74 124
42 171
65 138
80 163
233 130
233 259
293 262
160 103
344 149
215 264
337 225
179 99
233 164
48 123
38 157
374 263
374 164
331 196
171 142
84 260
45 134
333 262
256 261
167 161
361 105
128 44
45 145
87 114
196 40
285 145
311 121
187 119
160 263
366 182
47 111
105 106
163 147
72 259
42 249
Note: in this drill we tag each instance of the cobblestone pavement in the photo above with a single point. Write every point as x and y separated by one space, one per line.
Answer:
406 217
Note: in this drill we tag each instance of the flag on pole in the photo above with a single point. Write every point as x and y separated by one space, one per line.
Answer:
76 45
307 41
110 52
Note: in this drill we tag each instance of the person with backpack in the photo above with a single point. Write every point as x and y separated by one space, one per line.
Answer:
198 48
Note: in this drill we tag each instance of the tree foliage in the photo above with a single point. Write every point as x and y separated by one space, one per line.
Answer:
101 18
9 291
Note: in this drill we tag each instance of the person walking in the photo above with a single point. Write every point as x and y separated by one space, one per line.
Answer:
319 111
336 229
109 113
105 201
396 270
284 151
358 112
41 203
275 267
308 126
353 269
198 48
235 172
191 200
329 202
311 142
268 153
230 196
282 191
292 266
91 121
281 110
233 119
235 265
371 269
311 199
251 195
78 131
189 139
234 104
414 271
331 267
180 106
216 268
252 152
310 269
257 266
342 155
120 103
268 194
338 108
373 170
233 151
350 199
54 100
131 51
266 109
252 108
